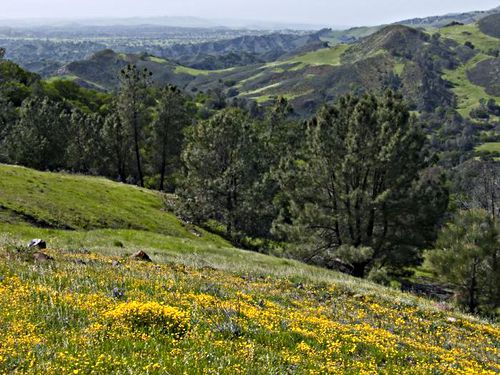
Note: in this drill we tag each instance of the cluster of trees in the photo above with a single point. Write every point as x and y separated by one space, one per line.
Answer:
134 136
467 251
355 188
352 186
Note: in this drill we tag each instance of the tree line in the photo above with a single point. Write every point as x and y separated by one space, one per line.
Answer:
355 188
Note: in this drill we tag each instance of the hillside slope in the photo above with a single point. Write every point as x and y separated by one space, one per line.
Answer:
202 306
450 67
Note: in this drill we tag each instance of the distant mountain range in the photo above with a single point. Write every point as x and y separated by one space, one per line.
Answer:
186 22
454 66
440 21
197 22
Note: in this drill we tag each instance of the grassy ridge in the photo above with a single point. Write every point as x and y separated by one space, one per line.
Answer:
490 147
326 56
79 202
468 94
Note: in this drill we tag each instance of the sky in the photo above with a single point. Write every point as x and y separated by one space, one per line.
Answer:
320 12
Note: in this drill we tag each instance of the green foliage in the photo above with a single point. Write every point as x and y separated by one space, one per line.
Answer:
7 120
221 159
39 139
85 148
167 132
15 82
89 101
117 145
131 105
466 255
360 183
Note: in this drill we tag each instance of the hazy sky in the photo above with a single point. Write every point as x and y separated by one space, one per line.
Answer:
328 12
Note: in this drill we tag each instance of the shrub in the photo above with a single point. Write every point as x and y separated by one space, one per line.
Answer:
150 317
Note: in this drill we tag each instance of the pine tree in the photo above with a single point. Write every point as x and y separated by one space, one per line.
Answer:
467 255
84 153
40 138
132 108
117 142
221 165
357 193
167 132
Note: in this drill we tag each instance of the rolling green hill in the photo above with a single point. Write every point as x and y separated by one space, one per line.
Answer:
202 305
462 56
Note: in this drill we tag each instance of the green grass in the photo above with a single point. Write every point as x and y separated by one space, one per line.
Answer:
157 60
264 88
110 218
398 68
68 77
82 203
327 56
468 94
199 72
248 313
470 33
490 147
84 313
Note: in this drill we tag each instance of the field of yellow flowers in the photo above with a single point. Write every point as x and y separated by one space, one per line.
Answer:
85 313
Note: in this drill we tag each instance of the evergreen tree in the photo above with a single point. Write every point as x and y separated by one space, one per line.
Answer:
467 255
133 110
117 142
167 132
84 152
7 120
39 139
280 136
357 194
221 164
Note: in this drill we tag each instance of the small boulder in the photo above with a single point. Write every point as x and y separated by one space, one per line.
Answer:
41 257
115 263
141 256
37 242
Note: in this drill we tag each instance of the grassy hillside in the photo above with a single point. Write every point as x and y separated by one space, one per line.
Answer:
476 78
76 202
367 61
202 306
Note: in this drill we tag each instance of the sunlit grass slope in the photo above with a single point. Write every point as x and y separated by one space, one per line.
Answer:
82 314
202 306
468 94
67 201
